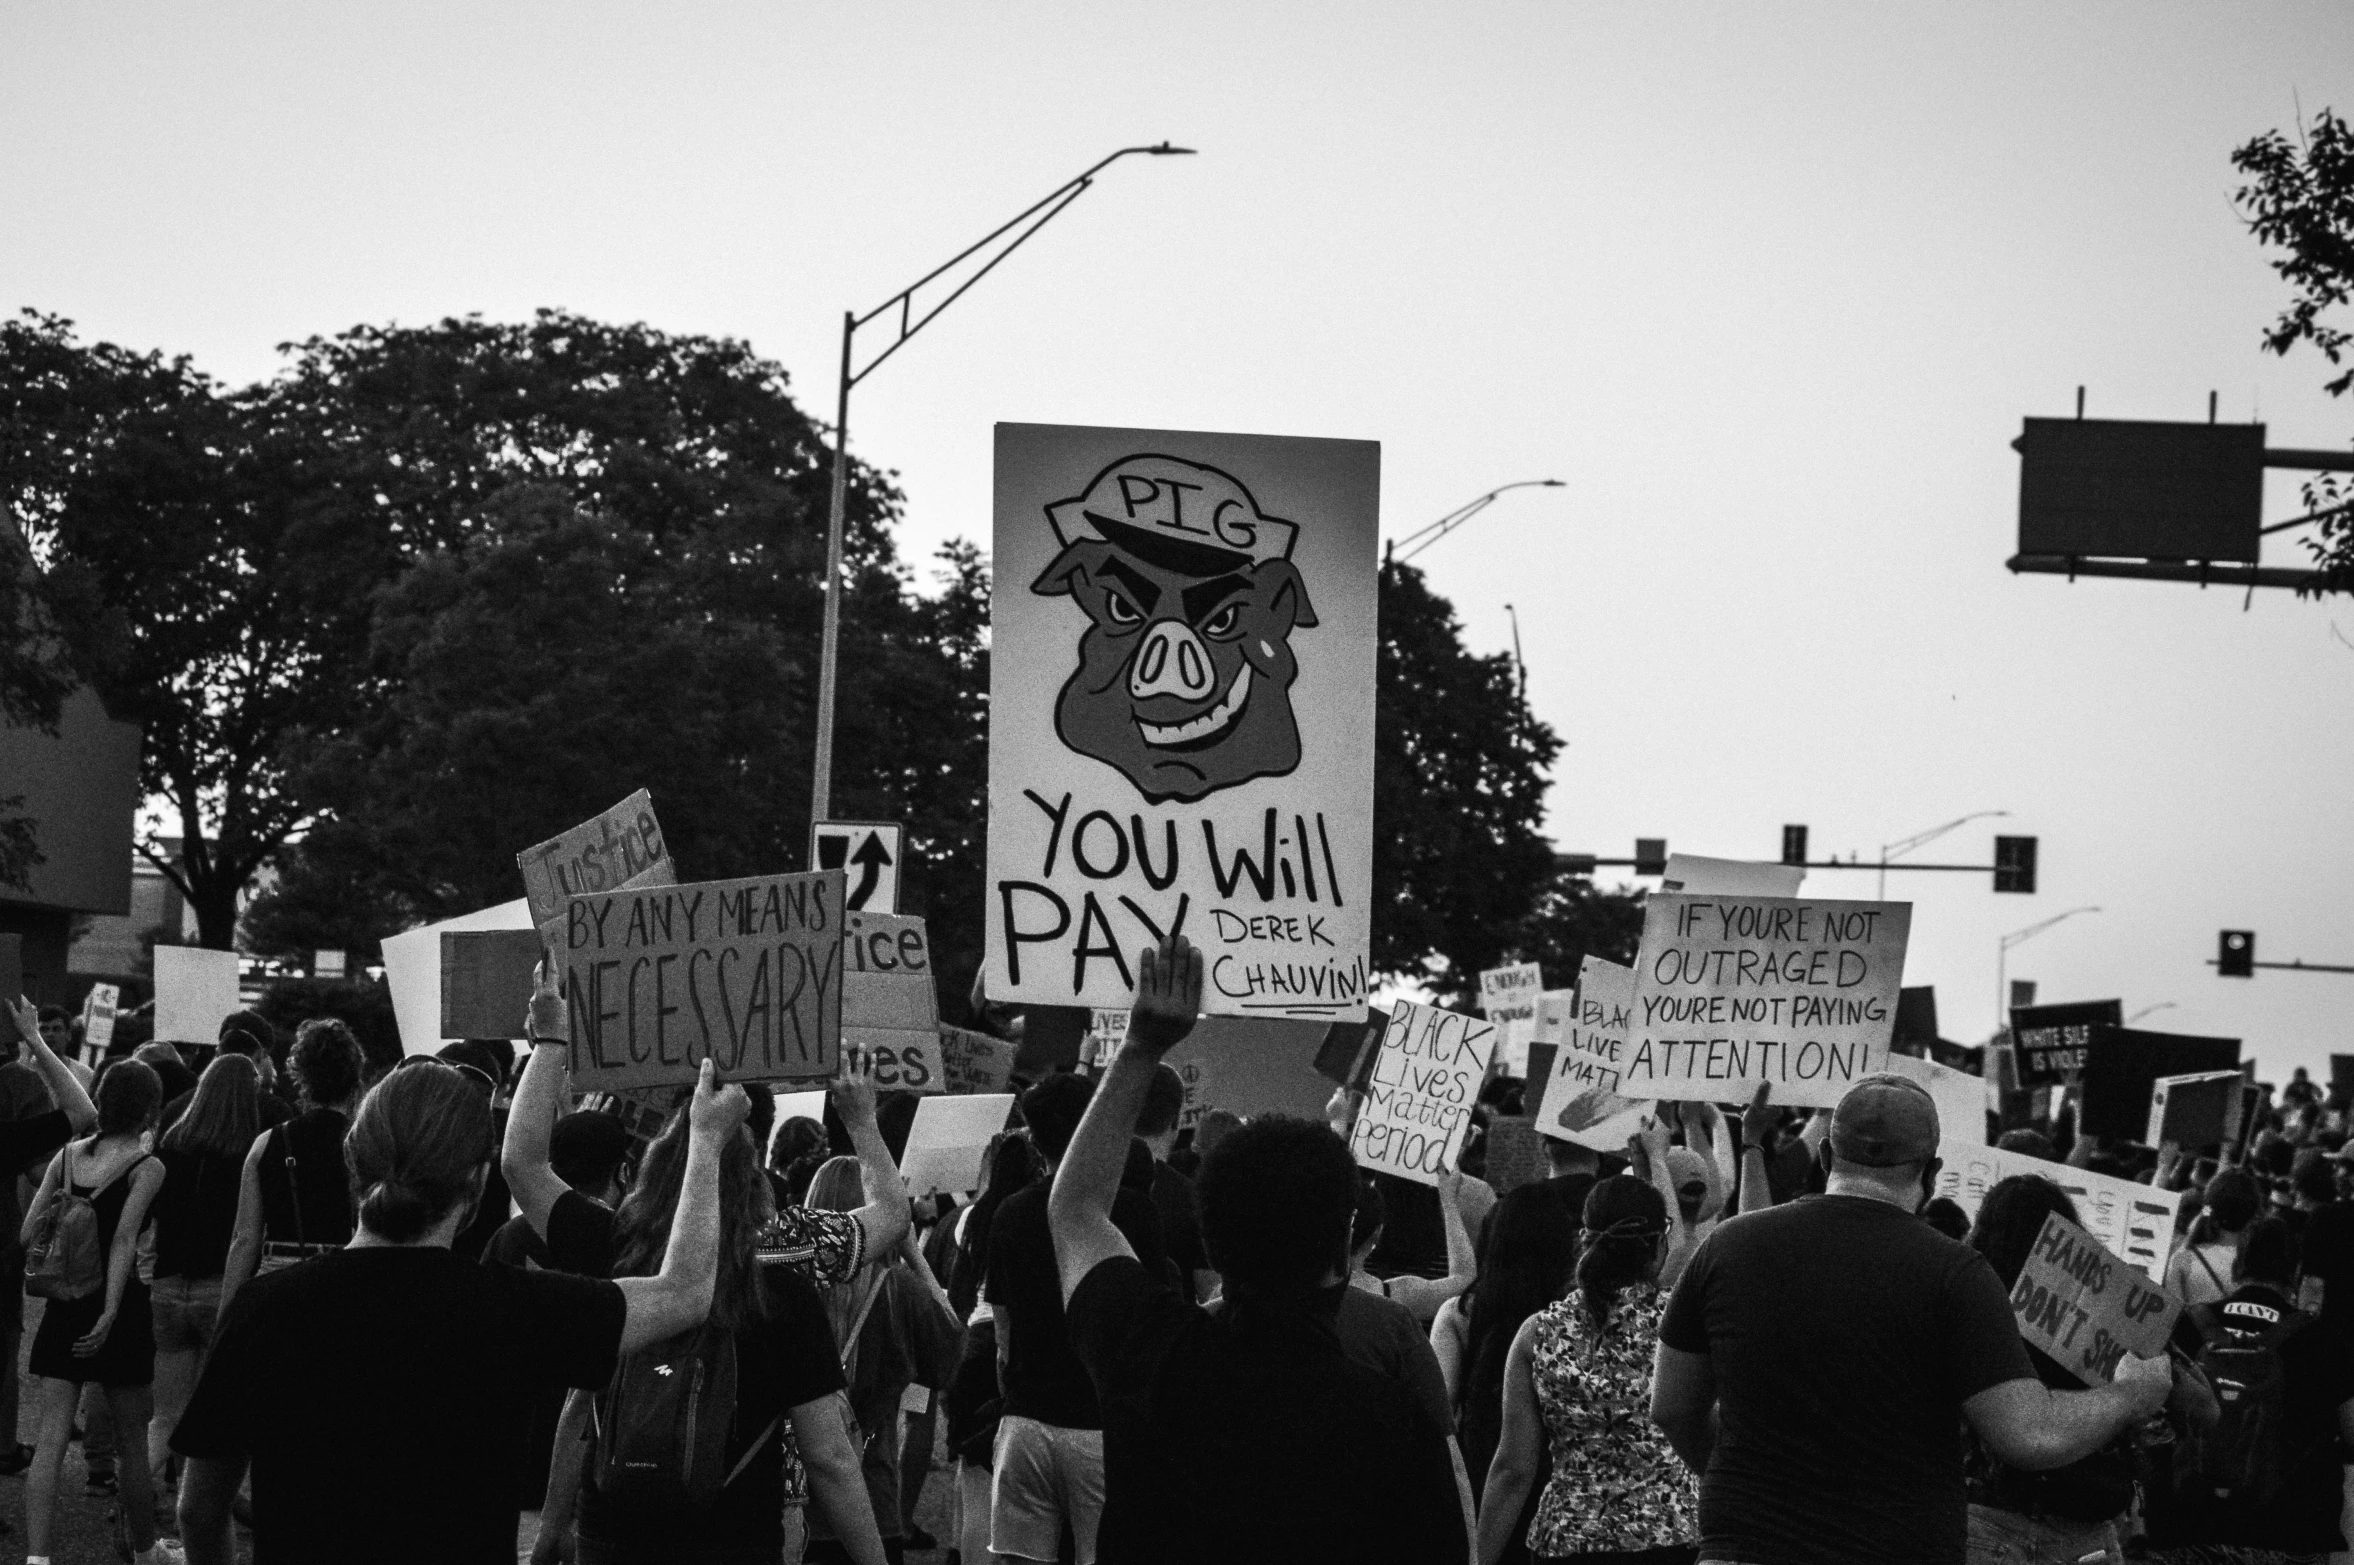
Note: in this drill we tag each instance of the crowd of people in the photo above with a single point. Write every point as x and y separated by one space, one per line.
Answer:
434 1309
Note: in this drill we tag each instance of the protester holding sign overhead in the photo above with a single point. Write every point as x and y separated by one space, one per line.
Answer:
1248 1435
1817 1361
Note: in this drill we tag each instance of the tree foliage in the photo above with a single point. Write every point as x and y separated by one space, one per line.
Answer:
2299 201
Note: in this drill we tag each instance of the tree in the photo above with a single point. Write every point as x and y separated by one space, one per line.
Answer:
2300 201
1459 779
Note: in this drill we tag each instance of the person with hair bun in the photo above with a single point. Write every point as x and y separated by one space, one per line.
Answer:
378 1390
293 1200
1577 1387
106 1336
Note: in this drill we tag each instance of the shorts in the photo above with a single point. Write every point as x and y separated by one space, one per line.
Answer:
186 1310
1045 1476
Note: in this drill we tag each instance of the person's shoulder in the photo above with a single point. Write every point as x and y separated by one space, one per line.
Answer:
1374 1312
1020 1212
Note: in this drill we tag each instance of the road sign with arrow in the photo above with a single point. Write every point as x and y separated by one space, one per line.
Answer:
869 851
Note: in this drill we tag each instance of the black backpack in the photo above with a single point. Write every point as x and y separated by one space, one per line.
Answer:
662 1425
2235 1470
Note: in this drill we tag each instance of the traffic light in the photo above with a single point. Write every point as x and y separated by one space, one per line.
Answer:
2235 954
1650 855
2014 864
1794 845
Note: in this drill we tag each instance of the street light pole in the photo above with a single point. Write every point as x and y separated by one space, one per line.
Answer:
1921 839
1415 542
2002 957
1029 220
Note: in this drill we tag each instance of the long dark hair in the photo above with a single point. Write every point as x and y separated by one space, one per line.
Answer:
1625 1220
641 1229
2010 1218
1524 1264
226 1113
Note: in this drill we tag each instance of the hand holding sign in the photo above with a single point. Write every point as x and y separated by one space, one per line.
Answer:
716 1110
1757 1122
1168 995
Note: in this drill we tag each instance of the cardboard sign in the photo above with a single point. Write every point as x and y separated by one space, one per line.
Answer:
889 1005
1181 715
1516 1155
2121 1069
975 1062
1581 1102
620 850
2131 1220
1961 1102
98 1013
1418 1101
195 991
1508 992
869 852
1734 991
1705 877
1195 1075
486 982
747 973
2086 1307
1345 1057
948 1139
412 970
2196 1110
2051 1039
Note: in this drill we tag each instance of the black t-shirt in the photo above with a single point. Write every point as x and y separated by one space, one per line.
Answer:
195 1212
1249 1435
2317 1368
24 1141
381 1395
2329 1255
580 1238
782 1361
1181 1223
1044 1379
1844 1335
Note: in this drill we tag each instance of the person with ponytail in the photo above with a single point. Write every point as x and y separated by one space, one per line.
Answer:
106 1337
379 1391
1577 1387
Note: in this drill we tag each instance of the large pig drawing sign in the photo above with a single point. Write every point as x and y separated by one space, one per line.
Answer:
1185 671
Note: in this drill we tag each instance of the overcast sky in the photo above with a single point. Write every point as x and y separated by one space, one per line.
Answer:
1770 287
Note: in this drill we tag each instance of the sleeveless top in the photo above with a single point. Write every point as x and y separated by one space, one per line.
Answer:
1617 1485
108 1202
195 1213
314 1139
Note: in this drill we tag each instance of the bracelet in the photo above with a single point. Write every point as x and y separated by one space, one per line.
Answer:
562 1043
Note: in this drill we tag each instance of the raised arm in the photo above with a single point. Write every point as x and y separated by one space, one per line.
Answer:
1757 1192
1424 1295
885 1215
539 1099
678 1297
2031 1426
64 1086
1079 1208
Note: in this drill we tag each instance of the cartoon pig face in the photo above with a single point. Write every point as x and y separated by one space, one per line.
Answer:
1184 678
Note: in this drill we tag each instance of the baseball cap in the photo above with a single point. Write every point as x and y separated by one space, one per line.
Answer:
1884 1121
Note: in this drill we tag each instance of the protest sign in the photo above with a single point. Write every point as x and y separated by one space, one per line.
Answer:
327 962
1194 1077
974 1061
1506 992
1961 1101
1516 1155
947 1140
486 982
2130 1219
98 1013
195 991
2121 1069
869 852
889 1006
1705 877
619 850
1418 1100
1581 1101
412 971
746 973
2051 1039
2086 1307
2341 1082
2195 1110
12 968
1181 715
1731 992
1916 1020
1106 1031
1512 1046
1344 1057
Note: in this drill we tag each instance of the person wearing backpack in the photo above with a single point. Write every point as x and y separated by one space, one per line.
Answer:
81 1241
2264 1481
380 1391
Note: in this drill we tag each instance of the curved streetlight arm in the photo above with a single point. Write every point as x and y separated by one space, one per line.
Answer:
2021 936
1036 215
1896 850
1415 542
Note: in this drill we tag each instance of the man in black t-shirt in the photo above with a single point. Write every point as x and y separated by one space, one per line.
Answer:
1172 1192
1247 1435
1817 1360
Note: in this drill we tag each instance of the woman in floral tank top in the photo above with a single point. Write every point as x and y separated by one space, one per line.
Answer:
1579 1386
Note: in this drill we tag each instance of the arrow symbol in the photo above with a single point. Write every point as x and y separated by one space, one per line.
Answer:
870 858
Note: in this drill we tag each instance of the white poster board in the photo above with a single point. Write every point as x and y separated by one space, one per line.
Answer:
1419 1097
1506 992
98 1013
412 971
1181 715
948 1138
1731 992
195 991
2131 1219
1581 1102
1697 876
1961 1102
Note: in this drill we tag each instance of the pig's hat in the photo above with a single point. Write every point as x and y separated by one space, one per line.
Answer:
1176 514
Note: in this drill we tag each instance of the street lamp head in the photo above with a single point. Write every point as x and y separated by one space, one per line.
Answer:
1164 150
1552 483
